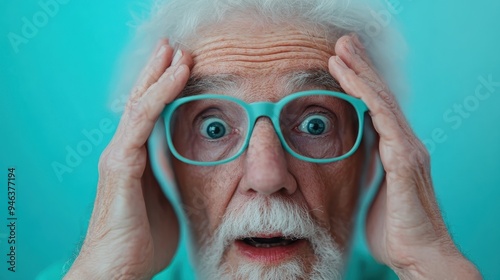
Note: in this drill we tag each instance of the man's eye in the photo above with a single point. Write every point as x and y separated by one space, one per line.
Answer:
315 125
214 128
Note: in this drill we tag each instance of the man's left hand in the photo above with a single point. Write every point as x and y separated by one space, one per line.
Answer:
405 229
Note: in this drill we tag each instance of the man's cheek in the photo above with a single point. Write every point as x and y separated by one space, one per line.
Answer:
340 195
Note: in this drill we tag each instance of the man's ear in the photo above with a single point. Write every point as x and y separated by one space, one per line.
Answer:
160 162
372 170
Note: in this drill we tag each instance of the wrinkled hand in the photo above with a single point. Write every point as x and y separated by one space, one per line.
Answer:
405 229
133 232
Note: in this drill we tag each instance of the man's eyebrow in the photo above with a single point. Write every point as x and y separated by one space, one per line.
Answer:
210 84
294 81
316 78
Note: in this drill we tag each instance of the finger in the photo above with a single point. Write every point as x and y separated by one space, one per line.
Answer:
352 44
399 148
127 148
387 118
356 58
157 64
349 50
140 117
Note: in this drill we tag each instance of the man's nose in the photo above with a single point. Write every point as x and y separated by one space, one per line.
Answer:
266 168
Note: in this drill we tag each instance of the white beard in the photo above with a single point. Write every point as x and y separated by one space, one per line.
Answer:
270 215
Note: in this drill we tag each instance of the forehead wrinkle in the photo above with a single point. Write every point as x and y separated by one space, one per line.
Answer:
246 58
259 51
262 61
256 48
262 40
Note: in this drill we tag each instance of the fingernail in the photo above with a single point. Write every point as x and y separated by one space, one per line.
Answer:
340 62
177 57
351 48
357 41
177 72
161 51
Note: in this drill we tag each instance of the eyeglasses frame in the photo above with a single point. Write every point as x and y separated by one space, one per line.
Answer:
267 109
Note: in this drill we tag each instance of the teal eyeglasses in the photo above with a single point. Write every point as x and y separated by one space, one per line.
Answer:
317 126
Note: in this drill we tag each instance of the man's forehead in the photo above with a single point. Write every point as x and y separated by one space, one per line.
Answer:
280 58
260 52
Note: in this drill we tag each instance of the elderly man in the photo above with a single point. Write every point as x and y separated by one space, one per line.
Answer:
263 109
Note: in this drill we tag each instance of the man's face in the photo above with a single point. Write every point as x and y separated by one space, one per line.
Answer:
267 208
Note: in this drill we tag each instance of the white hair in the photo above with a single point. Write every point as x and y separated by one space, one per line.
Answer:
181 20
186 17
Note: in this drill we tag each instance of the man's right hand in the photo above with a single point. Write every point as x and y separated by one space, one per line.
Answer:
133 232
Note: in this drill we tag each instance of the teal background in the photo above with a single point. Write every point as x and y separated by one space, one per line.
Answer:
58 84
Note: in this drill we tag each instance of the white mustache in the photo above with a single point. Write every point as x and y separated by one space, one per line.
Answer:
263 215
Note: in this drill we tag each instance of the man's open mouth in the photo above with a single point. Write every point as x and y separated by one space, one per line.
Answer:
270 248
260 242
